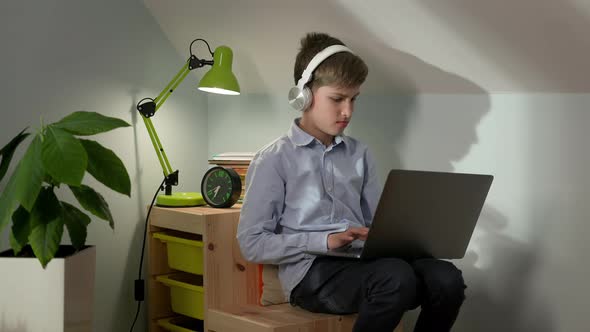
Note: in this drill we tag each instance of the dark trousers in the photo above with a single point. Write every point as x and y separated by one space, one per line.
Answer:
382 290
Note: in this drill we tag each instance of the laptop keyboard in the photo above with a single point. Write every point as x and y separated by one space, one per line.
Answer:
354 250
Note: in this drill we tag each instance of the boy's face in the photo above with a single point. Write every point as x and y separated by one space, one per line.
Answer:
330 112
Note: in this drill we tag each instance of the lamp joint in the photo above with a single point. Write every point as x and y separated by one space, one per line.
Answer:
195 62
171 180
147 109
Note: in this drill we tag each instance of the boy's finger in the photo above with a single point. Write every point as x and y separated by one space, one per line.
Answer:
347 236
360 230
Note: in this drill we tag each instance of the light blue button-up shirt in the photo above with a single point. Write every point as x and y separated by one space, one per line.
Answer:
299 191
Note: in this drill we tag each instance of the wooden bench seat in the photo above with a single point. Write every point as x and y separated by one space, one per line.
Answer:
276 318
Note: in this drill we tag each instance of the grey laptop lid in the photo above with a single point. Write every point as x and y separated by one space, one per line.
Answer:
424 214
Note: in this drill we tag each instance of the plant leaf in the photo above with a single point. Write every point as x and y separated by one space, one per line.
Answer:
106 167
8 150
76 221
46 226
93 202
63 156
24 184
89 123
21 228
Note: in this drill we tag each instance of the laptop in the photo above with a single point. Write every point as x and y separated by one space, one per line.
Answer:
422 214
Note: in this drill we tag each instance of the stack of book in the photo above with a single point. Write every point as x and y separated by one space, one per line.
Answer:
238 161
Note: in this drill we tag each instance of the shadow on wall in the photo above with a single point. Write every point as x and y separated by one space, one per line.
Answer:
443 130
499 293
430 131
126 298
399 115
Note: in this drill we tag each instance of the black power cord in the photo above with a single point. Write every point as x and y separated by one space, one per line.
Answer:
139 283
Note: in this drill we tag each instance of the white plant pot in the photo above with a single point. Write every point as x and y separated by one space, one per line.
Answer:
58 298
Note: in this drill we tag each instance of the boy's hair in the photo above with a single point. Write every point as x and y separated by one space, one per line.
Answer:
342 69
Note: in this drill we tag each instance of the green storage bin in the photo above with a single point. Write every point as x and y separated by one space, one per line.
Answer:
186 294
185 251
181 324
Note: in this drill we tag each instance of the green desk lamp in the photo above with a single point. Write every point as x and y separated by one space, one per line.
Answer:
219 79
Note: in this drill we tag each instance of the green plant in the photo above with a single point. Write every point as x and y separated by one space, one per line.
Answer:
56 156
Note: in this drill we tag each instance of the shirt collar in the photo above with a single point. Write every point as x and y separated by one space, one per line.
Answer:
302 138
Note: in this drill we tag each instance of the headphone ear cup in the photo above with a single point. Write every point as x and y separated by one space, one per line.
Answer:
300 100
296 98
307 97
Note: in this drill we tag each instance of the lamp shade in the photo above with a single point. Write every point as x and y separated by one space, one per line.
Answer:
220 78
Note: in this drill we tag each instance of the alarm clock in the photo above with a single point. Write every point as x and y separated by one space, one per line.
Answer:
221 187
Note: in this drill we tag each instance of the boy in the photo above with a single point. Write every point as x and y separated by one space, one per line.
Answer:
316 189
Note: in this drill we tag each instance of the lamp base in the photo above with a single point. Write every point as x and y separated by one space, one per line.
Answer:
180 199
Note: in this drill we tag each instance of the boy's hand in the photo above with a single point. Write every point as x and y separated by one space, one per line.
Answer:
337 240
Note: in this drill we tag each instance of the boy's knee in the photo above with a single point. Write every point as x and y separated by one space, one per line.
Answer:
392 279
445 282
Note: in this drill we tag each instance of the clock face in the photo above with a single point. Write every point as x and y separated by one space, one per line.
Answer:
221 187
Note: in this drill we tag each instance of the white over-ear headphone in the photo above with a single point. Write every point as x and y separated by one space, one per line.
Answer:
300 96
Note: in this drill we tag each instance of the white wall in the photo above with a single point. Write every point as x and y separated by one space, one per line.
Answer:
63 56
469 86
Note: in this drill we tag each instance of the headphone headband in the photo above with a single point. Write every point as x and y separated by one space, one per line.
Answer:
317 60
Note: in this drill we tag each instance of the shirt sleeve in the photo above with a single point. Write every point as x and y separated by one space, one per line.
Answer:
371 189
260 215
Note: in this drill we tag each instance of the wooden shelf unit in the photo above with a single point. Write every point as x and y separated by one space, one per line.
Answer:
226 273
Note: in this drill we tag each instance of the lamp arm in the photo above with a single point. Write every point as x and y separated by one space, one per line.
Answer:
147 107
